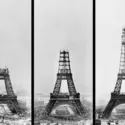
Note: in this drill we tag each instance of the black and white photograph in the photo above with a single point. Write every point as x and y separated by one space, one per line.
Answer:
15 62
63 62
110 61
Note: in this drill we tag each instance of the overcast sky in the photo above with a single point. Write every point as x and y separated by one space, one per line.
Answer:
63 24
110 19
15 43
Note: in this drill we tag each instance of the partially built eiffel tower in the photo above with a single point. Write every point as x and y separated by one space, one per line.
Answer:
117 97
10 98
58 98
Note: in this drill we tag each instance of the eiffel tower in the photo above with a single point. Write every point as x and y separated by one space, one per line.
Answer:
58 98
10 98
117 97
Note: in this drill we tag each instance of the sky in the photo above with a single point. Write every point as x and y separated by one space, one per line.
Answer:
110 20
63 24
15 44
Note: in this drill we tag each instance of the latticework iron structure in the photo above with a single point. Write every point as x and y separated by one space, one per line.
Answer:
10 98
57 98
117 97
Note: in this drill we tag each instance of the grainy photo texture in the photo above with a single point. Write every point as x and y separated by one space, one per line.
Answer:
63 62
15 62
110 61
